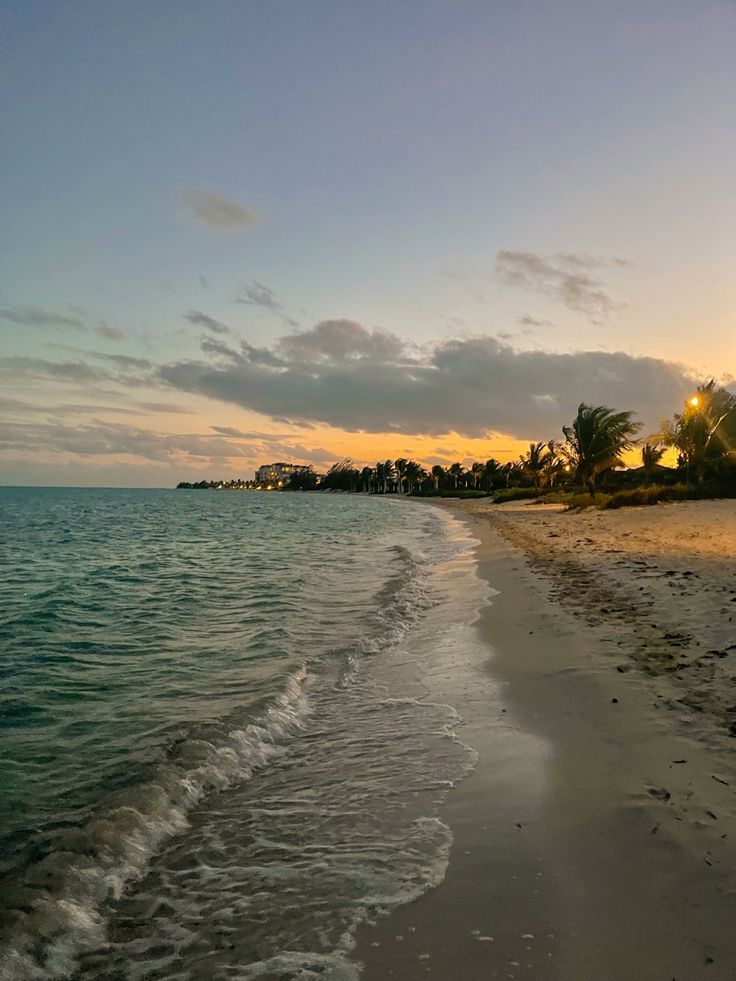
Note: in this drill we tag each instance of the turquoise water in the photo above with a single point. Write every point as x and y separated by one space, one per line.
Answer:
169 660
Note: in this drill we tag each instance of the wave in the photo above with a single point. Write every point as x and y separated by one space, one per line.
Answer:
59 908
433 839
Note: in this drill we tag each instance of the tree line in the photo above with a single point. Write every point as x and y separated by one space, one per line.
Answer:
588 456
703 436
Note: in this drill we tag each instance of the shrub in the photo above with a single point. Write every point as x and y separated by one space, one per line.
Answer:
577 502
638 496
514 494
461 492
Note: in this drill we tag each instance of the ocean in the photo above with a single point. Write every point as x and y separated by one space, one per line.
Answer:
221 746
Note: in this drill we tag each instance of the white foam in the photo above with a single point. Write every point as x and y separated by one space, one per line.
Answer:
116 846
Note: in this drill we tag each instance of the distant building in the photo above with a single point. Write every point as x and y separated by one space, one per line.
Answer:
277 474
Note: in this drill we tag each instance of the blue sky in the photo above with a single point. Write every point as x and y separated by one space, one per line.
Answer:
554 178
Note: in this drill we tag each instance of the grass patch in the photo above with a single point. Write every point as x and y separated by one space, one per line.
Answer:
578 502
514 494
642 496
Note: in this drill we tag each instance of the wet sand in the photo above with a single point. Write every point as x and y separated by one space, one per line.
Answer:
596 839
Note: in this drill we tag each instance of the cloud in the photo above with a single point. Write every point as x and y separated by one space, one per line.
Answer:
109 333
527 321
97 438
257 294
218 212
341 374
97 447
202 320
163 407
567 277
19 407
340 340
43 319
117 369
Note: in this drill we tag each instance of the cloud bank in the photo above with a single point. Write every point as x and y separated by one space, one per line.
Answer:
347 376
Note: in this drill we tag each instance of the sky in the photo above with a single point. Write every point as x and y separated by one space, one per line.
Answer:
239 232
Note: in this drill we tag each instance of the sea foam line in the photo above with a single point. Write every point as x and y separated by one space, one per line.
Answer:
67 889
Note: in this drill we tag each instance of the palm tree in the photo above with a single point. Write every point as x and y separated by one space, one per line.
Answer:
705 430
456 471
380 472
438 476
532 462
651 454
553 463
400 470
388 474
366 476
509 471
596 439
478 472
414 474
491 470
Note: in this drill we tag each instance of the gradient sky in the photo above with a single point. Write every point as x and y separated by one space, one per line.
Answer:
234 232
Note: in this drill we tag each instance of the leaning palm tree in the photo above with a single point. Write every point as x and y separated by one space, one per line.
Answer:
552 464
533 461
596 440
400 465
414 474
510 472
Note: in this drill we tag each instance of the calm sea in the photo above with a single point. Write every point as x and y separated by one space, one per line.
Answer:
219 749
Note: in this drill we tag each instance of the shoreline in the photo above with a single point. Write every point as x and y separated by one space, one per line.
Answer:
595 841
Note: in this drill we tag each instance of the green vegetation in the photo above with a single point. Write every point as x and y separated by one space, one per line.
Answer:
515 494
583 470
596 441
654 494
704 433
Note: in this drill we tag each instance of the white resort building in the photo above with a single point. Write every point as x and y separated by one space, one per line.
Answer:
277 474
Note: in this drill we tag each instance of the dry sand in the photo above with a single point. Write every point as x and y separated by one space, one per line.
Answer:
596 839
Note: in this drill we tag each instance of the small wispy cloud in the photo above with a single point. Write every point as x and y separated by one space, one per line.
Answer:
257 294
203 320
40 318
570 278
217 211
529 321
109 333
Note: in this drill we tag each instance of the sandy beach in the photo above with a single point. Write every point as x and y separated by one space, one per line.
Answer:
595 839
